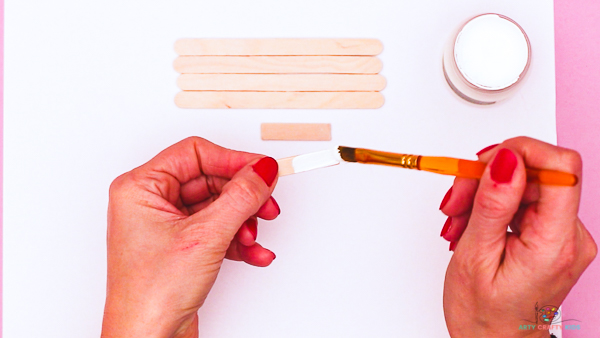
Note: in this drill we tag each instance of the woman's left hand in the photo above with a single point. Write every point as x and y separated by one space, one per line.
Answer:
171 222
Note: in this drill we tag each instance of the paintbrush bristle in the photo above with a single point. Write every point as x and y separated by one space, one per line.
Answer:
347 154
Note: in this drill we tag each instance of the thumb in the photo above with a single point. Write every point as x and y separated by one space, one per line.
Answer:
241 197
496 202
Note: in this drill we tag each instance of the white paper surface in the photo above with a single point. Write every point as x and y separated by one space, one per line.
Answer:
89 90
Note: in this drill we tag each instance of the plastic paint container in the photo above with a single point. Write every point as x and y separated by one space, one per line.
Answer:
487 58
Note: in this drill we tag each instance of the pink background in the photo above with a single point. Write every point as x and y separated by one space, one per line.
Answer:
577 29
577 36
1 143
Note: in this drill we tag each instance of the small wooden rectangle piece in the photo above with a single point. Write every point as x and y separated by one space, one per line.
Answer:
295 131
279 100
215 47
277 64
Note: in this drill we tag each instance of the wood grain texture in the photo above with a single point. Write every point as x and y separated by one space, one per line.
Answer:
214 47
285 166
295 131
277 64
282 82
279 100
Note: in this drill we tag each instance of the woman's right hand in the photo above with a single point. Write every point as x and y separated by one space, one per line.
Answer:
496 278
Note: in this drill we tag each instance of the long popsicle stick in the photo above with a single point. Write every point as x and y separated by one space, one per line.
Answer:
282 82
277 64
279 100
213 47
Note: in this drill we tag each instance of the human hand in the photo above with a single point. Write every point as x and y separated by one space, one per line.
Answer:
171 222
496 278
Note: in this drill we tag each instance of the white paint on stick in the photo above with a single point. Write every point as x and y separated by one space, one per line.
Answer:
320 159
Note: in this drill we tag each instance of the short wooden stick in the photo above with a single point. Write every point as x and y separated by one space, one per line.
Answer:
213 47
277 64
295 131
279 100
282 82
285 166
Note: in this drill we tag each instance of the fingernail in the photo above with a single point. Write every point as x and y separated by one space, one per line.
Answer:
486 149
504 166
267 169
276 205
251 224
446 227
446 198
274 256
453 245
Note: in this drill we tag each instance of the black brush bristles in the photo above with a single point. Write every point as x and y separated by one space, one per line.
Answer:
347 154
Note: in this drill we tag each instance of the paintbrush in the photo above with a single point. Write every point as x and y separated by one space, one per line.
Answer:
439 165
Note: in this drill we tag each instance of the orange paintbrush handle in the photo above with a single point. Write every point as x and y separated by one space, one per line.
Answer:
474 169
448 166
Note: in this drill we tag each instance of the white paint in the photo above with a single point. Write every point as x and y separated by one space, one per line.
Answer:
320 159
491 52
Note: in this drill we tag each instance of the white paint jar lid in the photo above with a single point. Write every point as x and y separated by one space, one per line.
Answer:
491 52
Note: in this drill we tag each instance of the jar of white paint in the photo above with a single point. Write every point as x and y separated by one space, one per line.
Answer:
487 59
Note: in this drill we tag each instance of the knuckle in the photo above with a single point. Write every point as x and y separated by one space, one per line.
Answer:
118 183
568 257
572 159
246 194
576 255
192 142
192 139
592 251
520 139
124 184
589 246
492 206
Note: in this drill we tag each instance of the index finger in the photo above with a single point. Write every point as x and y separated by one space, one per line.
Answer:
556 204
194 157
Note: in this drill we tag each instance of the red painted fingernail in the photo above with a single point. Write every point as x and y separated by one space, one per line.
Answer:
267 169
273 255
276 205
453 245
251 224
446 227
486 149
446 198
504 166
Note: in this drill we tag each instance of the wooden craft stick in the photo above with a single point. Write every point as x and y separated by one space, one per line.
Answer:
279 100
277 64
295 131
283 82
213 47
285 166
